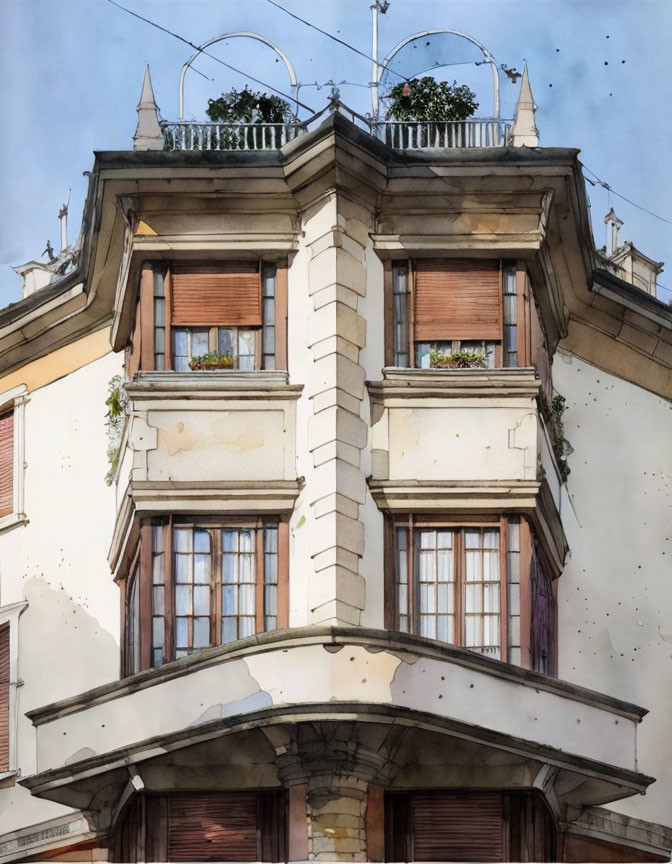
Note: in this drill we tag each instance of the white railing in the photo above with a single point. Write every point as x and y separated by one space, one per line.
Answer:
229 136
420 135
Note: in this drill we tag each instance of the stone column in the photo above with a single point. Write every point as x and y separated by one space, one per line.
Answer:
334 764
337 433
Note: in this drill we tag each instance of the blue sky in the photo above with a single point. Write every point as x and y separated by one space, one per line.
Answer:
73 71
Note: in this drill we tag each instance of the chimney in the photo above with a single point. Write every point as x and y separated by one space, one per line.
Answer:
615 224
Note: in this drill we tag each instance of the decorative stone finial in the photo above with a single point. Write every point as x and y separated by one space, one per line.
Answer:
612 219
148 134
525 132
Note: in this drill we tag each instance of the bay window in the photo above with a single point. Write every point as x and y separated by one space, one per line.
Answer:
199 583
478 583
444 313
209 316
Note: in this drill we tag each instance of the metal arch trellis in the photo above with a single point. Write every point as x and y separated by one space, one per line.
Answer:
249 35
381 67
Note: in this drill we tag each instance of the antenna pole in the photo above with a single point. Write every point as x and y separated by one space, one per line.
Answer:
374 54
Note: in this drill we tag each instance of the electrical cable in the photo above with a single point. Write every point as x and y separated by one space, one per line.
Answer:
335 38
212 56
618 194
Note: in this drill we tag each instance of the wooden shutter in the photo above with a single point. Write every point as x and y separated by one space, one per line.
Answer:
213 827
4 697
216 295
458 827
6 463
457 300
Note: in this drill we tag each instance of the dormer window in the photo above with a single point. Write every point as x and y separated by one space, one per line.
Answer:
210 316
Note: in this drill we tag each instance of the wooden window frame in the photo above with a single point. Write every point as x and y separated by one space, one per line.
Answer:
142 562
140 353
9 684
524 348
527 544
13 402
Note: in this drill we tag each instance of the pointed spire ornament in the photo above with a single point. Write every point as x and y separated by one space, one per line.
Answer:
148 134
525 132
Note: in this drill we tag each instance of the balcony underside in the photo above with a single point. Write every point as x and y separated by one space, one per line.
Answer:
575 745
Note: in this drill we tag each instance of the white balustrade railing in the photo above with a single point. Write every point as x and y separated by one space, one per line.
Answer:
229 136
420 135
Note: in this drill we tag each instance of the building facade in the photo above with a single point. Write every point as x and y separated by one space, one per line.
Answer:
342 599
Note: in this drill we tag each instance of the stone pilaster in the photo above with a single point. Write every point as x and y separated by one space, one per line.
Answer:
337 433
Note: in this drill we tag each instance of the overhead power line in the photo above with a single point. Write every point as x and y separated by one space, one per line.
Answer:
335 38
606 186
212 56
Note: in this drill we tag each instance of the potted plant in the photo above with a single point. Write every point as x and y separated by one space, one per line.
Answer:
211 361
423 101
248 107
457 360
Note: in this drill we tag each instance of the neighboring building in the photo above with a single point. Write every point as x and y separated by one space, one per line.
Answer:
339 603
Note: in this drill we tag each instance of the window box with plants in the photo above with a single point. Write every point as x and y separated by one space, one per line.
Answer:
212 361
457 360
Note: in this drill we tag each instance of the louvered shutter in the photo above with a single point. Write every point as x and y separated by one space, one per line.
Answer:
213 827
6 463
458 827
4 697
216 295
457 300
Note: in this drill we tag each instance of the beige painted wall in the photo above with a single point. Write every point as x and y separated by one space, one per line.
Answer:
615 601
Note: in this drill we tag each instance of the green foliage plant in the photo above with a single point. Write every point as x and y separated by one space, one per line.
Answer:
212 360
248 106
561 446
429 99
116 412
457 360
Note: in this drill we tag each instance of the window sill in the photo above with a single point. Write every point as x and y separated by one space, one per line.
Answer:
8 778
11 520
216 385
428 383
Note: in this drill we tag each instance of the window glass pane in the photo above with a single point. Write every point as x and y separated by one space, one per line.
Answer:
228 540
245 342
491 566
182 633
182 599
201 632
445 561
491 598
229 568
159 312
201 600
182 568
472 539
428 627
268 280
180 344
157 632
246 599
229 630
202 569
472 632
472 561
229 599
472 598
201 540
427 566
225 341
158 605
427 539
427 599
182 537
270 568
200 343
271 600
269 310
269 340
246 627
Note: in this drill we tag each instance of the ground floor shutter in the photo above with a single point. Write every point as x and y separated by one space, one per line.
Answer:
213 827
4 697
467 827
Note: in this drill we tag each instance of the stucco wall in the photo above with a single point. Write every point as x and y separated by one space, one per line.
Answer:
69 633
615 595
